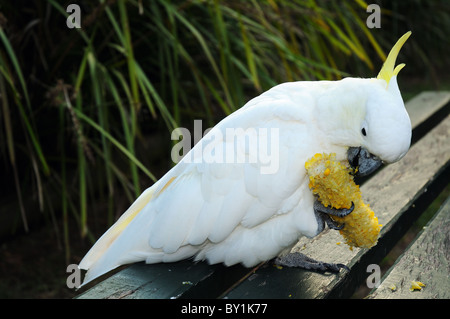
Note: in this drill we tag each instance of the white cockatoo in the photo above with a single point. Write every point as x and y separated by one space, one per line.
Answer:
241 194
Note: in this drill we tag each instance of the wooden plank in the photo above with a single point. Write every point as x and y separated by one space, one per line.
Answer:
396 194
426 260
152 281
158 281
426 110
424 105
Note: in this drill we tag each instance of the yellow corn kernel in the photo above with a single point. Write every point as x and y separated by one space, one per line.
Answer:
416 285
331 181
278 266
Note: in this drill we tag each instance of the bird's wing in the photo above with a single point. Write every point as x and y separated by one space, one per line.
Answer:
203 199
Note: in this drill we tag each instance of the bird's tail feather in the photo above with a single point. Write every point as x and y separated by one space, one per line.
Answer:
96 261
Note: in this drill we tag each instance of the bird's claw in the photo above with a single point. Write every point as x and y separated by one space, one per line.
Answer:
323 216
318 207
332 224
300 260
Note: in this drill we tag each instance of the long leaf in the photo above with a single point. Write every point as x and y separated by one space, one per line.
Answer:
15 63
116 143
25 118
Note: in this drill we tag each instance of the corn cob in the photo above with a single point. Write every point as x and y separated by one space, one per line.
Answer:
331 181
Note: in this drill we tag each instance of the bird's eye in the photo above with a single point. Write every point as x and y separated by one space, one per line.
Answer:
363 131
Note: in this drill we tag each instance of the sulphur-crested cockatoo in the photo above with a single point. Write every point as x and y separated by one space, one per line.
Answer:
241 194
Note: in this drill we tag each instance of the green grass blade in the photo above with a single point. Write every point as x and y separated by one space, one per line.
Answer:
7 122
148 86
368 33
129 50
16 65
203 44
24 117
250 56
129 138
116 143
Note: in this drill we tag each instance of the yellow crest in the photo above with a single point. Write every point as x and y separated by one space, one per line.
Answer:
388 70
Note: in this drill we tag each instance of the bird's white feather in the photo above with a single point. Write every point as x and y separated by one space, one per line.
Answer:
198 206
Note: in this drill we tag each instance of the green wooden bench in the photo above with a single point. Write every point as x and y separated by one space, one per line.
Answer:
398 193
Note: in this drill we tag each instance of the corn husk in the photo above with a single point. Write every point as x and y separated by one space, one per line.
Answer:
333 183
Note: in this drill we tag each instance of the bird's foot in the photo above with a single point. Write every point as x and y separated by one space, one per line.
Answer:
323 213
302 261
318 207
332 224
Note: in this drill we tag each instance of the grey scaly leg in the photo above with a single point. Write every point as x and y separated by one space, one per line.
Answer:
300 260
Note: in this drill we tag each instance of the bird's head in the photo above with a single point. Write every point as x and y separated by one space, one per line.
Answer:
373 120
385 130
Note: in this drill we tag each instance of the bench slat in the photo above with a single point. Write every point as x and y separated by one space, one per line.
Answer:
157 281
188 280
424 105
426 260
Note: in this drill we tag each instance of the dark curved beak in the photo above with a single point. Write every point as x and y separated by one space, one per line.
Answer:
360 158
